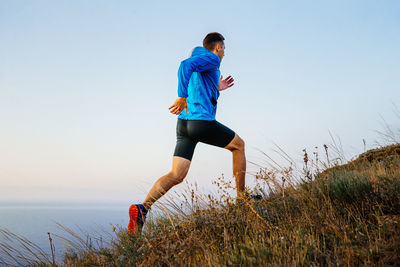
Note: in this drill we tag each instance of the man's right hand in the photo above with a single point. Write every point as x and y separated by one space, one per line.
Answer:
179 104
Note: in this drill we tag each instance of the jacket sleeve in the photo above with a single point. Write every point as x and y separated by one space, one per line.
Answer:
198 63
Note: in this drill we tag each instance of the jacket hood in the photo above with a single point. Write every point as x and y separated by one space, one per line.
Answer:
199 50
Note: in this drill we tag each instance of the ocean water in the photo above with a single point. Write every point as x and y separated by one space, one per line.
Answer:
34 221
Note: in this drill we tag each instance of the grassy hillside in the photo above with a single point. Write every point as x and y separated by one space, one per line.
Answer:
343 215
347 214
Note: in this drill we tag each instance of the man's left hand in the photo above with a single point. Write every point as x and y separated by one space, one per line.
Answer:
225 84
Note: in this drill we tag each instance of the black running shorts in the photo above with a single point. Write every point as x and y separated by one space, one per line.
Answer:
190 132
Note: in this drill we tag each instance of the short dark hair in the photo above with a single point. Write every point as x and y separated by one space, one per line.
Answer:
212 39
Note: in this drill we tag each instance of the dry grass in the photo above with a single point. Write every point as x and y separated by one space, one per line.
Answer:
344 215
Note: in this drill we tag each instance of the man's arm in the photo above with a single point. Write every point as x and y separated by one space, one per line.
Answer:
188 66
198 63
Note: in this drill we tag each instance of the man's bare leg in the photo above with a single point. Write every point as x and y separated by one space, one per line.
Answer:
236 146
180 167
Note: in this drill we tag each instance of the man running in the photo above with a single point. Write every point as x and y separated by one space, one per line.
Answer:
199 86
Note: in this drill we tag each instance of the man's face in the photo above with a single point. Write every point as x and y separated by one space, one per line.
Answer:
220 50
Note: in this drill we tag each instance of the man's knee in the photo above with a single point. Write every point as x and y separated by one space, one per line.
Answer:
236 144
240 144
180 168
177 176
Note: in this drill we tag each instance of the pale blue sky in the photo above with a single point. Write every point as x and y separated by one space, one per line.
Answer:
85 87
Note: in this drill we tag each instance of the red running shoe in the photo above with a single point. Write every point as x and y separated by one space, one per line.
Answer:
137 216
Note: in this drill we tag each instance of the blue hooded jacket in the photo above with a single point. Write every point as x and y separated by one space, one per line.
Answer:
198 78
